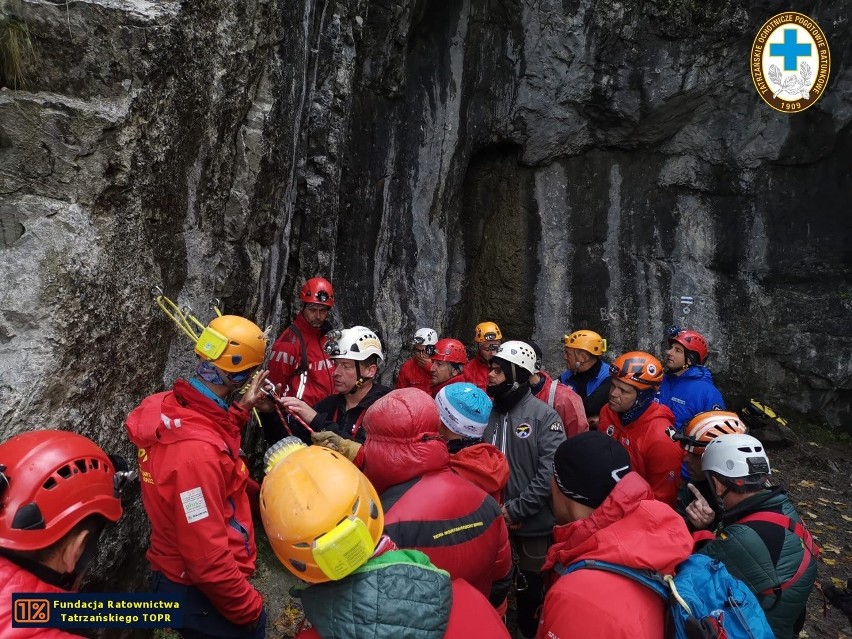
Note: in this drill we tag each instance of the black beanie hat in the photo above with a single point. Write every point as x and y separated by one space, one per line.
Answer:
588 466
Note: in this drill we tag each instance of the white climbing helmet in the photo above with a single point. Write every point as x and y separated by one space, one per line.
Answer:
518 353
358 343
425 336
740 457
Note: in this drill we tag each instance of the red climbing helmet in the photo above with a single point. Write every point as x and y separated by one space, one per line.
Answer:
317 290
694 344
51 480
450 350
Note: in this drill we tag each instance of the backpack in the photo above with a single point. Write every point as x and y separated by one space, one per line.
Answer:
705 600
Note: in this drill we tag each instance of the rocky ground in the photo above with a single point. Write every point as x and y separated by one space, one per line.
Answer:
818 476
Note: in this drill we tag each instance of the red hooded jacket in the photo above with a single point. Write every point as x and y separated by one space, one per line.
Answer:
630 528
567 403
413 374
476 372
194 492
427 506
483 465
14 579
287 357
653 454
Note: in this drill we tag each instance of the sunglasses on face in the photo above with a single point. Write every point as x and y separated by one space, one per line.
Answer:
428 350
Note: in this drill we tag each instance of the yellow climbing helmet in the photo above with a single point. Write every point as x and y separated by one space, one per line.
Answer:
321 514
487 332
586 340
232 343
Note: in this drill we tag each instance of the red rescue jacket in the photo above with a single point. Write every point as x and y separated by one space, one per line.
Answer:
483 465
14 579
567 403
653 454
287 357
413 374
427 506
630 528
194 492
476 372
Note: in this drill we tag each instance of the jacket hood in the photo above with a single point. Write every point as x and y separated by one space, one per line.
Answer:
483 465
180 414
402 438
695 372
629 528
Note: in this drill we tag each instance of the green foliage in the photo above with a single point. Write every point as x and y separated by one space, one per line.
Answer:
16 52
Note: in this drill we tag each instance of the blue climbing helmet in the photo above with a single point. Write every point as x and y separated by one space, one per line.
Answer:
464 409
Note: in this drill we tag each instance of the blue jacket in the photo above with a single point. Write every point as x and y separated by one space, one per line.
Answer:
688 394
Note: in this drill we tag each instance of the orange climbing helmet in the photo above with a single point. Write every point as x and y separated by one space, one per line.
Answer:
705 427
323 517
639 369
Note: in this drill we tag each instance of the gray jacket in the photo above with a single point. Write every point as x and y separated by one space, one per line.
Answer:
528 435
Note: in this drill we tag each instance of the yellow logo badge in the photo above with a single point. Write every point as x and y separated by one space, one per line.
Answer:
790 62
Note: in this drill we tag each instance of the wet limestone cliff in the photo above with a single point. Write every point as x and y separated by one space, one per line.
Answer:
546 164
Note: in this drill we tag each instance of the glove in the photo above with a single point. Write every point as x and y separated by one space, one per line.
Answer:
333 441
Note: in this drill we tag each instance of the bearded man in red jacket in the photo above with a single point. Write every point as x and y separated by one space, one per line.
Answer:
637 421
195 483
607 513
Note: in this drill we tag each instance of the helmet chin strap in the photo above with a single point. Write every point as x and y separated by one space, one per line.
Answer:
361 379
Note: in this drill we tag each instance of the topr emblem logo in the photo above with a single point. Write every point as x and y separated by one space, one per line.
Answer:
523 430
790 62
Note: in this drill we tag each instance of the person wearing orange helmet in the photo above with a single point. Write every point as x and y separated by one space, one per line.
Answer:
633 417
701 430
448 364
586 372
195 484
325 522
299 362
487 336
58 490
687 387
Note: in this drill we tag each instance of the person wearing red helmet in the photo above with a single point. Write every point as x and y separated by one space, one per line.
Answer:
51 515
448 364
639 423
299 362
687 387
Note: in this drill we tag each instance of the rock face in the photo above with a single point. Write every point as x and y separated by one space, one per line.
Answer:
548 165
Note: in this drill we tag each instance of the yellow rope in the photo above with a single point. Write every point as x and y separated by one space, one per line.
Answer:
670 581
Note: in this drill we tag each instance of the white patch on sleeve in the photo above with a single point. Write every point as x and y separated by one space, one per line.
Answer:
194 506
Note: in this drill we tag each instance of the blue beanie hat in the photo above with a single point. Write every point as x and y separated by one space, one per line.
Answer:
464 409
